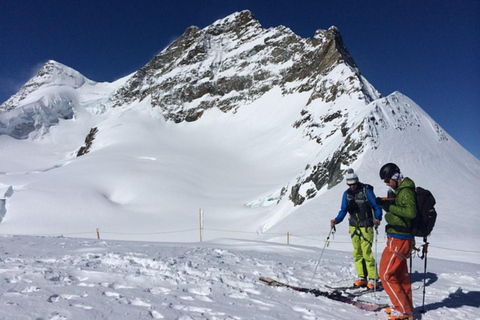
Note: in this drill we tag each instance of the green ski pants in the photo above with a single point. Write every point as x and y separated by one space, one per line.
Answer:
362 240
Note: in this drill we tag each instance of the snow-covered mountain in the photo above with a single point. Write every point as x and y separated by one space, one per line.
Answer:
254 126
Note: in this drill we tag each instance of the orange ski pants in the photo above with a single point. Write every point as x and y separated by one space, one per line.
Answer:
394 273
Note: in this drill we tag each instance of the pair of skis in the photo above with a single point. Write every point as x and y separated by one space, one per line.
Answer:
336 295
353 291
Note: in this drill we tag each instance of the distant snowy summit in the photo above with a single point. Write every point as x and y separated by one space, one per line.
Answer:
233 63
55 92
51 74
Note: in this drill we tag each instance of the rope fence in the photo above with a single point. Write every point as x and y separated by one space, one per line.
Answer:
288 235
145 233
201 229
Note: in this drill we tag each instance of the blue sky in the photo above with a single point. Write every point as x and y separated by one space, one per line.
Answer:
429 50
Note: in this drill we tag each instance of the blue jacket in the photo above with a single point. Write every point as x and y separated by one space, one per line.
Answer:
370 197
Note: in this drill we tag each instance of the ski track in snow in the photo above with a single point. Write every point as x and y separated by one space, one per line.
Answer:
63 278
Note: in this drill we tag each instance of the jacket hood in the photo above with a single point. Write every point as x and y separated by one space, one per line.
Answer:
406 183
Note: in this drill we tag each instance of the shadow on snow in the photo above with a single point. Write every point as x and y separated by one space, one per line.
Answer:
454 300
418 277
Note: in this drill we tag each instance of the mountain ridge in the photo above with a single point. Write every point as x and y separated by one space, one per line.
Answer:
231 62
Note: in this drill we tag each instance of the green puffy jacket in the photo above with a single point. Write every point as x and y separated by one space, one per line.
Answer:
405 208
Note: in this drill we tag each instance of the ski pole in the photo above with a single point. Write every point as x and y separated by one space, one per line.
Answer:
425 251
332 229
376 260
411 266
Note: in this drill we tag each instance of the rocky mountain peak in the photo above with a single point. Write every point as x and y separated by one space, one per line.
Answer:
233 61
335 48
234 23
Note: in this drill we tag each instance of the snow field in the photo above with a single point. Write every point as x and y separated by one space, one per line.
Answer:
63 278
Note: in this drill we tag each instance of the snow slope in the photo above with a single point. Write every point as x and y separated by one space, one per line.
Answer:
146 179
62 278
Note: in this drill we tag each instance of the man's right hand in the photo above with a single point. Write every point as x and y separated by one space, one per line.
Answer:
333 223
385 203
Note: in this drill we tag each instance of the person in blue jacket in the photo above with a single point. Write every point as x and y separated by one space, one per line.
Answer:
359 201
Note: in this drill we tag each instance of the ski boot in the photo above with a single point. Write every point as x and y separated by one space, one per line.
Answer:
372 284
360 283
397 315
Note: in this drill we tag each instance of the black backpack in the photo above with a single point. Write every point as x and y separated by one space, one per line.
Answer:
422 226
423 223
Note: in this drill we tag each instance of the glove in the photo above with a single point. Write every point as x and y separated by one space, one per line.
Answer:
385 203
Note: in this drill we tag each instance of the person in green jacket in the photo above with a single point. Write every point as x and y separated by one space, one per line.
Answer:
393 265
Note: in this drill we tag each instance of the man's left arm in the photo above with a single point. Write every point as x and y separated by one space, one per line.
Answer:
405 204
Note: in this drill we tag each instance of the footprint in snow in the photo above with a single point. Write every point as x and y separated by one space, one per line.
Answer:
139 303
113 294
156 315
12 280
30 289
238 295
83 284
71 296
264 304
306 312
81 306
187 298
159 290
56 297
57 317
115 286
201 291
192 309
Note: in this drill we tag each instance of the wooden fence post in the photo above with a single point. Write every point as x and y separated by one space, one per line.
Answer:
200 217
